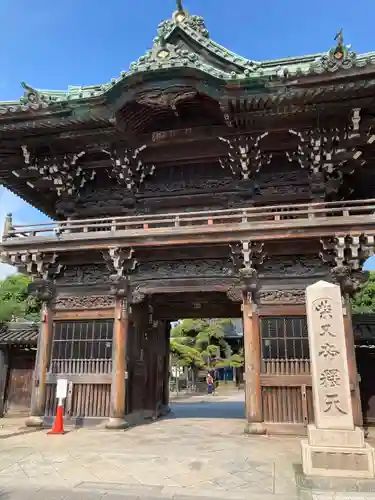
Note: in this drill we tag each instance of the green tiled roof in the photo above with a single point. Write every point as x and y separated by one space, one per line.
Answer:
184 42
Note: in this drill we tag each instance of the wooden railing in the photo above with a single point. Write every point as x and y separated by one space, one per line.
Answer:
146 224
81 366
285 366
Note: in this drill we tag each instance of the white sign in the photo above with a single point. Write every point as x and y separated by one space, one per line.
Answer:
61 388
177 371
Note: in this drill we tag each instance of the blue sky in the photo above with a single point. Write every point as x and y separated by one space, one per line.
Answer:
53 44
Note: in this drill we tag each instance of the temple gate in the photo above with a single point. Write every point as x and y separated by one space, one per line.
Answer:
196 184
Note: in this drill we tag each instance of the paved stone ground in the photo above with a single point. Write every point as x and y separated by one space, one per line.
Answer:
199 452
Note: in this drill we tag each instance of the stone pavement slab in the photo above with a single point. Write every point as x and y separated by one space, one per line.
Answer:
186 456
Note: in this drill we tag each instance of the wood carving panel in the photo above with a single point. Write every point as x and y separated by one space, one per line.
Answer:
183 269
281 183
297 266
294 296
84 275
190 177
274 297
85 302
187 187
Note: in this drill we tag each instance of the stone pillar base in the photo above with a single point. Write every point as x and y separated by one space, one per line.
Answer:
337 453
116 424
34 421
255 428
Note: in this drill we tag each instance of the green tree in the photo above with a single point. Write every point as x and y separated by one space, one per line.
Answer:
364 300
15 302
198 343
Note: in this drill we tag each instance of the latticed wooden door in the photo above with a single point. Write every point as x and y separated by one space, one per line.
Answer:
285 373
82 353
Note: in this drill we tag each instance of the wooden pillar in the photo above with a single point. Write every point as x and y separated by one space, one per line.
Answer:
119 346
252 349
4 366
167 332
38 396
352 364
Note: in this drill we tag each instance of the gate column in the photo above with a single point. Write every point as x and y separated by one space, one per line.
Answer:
119 348
343 275
43 290
252 351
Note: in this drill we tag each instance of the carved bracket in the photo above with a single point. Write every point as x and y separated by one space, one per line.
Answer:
120 262
43 290
330 151
247 254
245 158
61 171
37 264
137 296
128 168
350 250
346 255
247 257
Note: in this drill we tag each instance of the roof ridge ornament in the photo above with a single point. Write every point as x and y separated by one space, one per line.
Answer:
31 95
339 38
180 14
339 56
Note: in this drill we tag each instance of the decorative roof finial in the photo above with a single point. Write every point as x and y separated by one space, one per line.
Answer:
180 13
31 94
339 38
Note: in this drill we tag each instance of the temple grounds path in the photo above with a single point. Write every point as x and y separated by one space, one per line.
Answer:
200 451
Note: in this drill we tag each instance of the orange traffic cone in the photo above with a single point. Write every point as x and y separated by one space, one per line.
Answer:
58 424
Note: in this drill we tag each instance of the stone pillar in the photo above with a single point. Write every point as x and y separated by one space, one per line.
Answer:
38 396
252 350
335 447
119 347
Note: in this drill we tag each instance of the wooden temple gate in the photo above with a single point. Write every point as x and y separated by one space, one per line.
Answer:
197 184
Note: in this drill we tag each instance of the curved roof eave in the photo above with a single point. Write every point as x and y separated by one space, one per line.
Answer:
174 50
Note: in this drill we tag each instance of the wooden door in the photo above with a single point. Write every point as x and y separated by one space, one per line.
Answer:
19 386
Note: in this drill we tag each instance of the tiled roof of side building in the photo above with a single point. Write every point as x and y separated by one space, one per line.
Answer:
19 333
184 42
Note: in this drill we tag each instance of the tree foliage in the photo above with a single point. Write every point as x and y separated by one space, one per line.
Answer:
364 300
200 343
15 302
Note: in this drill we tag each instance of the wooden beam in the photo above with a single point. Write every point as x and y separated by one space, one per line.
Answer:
82 315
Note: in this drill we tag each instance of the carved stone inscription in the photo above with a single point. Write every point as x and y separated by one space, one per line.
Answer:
330 376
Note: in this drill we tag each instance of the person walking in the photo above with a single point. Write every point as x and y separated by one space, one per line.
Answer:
210 384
